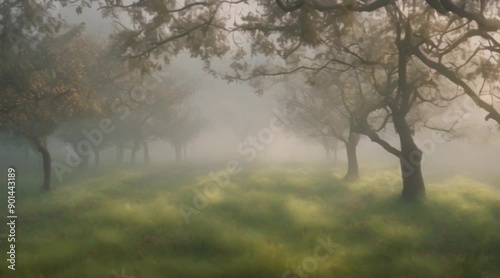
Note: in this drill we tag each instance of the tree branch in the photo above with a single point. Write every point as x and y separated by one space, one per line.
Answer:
453 77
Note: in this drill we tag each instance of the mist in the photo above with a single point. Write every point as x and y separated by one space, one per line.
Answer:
263 139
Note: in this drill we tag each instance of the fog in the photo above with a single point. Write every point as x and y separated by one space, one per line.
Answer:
235 110
234 113
250 139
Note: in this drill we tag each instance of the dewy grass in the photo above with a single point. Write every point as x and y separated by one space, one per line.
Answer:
265 222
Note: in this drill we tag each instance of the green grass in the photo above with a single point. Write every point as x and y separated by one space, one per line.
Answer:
265 221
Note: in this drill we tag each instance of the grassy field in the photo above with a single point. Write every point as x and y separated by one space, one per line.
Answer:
265 222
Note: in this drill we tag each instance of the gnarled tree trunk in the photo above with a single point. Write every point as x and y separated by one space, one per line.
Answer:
352 157
411 162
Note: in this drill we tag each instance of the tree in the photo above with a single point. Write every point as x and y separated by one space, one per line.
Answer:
317 112
12 144
464 54
146 112
403 84
44 84
398 78
179 126
469 10
188 20
376 51
156 31
459 22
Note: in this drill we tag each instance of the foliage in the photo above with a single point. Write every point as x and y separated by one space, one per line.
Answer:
45 85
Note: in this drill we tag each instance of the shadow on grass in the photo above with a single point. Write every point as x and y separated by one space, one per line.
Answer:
266 221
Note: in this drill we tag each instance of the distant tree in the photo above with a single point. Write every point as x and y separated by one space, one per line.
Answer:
144 106
316 112
179 126
12 144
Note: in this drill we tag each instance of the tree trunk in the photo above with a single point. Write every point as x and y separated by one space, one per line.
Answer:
352 158
411 163
411 156
46 160
147 159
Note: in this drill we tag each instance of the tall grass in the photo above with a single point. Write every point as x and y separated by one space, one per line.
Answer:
119 222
